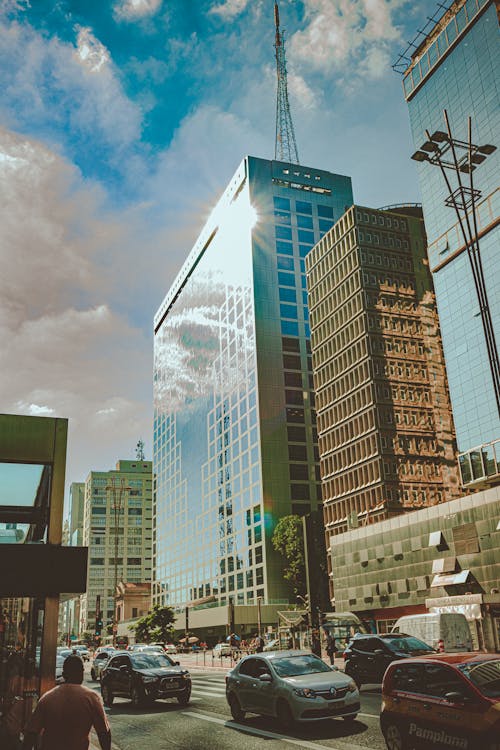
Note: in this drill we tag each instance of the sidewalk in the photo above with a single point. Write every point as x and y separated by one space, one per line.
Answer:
203 661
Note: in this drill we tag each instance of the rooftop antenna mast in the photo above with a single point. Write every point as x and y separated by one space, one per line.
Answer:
285 148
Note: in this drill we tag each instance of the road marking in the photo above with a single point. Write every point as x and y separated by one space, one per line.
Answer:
272 735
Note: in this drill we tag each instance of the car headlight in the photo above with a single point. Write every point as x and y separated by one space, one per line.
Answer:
148 680
305 692
351 687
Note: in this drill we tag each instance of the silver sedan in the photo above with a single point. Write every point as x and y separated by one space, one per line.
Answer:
291 686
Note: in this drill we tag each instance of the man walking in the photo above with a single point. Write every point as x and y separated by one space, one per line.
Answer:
65 715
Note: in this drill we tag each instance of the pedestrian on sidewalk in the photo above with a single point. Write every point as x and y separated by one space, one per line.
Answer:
65 715
331 648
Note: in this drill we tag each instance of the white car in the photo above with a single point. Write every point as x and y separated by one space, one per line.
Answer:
222 649
273 645
170 648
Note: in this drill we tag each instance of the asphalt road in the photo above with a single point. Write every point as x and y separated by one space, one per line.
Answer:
206 723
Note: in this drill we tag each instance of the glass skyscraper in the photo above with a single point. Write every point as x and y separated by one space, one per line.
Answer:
235 441
457 68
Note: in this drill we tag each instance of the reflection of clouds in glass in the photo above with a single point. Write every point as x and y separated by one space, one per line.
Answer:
189 343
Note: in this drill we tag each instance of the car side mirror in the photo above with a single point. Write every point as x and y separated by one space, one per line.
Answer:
456 697
177 663
266 677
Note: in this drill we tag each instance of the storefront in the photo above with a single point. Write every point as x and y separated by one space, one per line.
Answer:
35 568
482 613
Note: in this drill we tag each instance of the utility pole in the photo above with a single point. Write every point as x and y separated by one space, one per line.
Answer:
117 492
285 148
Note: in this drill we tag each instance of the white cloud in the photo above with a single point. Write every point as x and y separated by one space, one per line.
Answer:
230 8
65 88
357 33
92 53
131 9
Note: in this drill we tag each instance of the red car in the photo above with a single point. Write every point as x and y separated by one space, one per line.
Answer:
442 701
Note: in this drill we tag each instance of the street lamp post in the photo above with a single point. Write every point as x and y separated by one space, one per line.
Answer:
461 157
117 493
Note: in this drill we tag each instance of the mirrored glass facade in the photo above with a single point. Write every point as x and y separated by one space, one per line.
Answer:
457 68
235 444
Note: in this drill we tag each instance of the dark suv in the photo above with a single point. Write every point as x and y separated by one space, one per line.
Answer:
143 677
368 656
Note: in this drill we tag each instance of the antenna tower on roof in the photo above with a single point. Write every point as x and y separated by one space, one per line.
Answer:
285 148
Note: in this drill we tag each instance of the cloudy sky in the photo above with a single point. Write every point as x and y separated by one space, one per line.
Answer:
120 124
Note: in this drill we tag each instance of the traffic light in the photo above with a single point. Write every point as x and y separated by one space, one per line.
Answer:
98 624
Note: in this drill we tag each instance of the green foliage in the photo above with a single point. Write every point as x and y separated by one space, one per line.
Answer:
288 540
155 626
87 637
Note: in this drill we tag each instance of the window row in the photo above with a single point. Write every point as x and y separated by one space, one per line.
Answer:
382 220
325 326
346 432
340 387
337 340
362 450
339 229
351 480
345 409
332 271
328 371
345 292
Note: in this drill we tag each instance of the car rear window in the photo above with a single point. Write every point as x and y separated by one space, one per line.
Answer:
485 675
407 644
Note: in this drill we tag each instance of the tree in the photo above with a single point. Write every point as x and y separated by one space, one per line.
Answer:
288 540
155 626
87 637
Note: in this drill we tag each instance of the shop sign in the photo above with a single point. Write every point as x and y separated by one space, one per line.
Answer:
468 605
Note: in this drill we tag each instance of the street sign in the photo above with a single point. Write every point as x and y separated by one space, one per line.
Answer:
72 637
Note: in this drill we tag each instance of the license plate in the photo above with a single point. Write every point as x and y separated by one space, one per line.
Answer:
173 685
337 704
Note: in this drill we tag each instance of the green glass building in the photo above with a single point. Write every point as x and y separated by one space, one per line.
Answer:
235 442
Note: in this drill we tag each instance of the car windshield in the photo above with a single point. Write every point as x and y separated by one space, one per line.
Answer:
485 675
150 661
407 644
293 666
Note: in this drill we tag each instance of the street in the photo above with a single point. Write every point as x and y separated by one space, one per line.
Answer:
206 723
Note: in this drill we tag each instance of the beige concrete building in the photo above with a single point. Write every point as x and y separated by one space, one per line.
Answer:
386 435
118 509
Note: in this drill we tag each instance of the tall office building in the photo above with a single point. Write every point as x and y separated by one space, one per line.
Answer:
457 67
235 444
386 436
129 489
76 512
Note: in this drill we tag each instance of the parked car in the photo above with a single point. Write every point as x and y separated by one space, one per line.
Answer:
101 658
144 677
368 656
60 659
170 648
136 646
83 652
442 701
273 645
290 686
444 631
222 649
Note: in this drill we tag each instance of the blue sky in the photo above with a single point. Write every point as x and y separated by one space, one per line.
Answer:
120 123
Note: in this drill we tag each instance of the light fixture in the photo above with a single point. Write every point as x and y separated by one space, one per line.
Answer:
420 156
439 136
487 149
429 146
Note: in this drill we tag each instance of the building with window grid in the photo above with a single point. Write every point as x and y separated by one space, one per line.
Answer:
134 535
386 436
456 67
235 444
